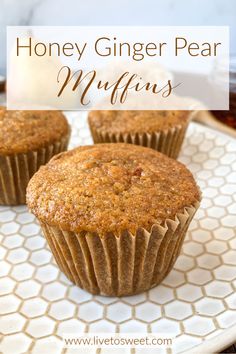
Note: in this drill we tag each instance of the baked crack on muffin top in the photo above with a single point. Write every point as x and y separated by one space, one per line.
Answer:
22 131
115 122
110 188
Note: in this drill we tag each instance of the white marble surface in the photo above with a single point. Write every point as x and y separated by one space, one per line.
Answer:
122 12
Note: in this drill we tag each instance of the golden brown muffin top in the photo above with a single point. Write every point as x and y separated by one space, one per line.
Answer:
22 131
136 121
110 188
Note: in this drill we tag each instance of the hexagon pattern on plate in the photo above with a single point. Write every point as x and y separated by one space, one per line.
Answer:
194 302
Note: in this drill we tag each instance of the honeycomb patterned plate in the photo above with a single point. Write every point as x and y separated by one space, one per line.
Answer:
196 302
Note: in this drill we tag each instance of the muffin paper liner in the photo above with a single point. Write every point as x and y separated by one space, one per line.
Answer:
17 169
168 142
119 265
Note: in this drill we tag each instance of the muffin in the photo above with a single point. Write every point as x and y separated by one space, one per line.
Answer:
114 215
163 131
28 139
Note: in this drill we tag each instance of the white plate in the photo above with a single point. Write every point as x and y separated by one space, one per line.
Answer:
196 302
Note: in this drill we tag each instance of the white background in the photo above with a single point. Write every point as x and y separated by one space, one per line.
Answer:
110 12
